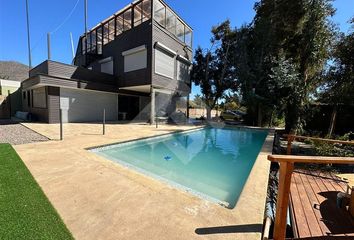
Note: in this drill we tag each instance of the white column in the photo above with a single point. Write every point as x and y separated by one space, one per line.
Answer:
152 105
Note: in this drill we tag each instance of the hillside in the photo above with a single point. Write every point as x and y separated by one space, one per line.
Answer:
13 70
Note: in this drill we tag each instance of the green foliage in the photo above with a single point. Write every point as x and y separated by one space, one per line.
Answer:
213 70
288 41
25 211
339 85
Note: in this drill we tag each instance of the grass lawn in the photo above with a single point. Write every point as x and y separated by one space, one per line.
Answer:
25 212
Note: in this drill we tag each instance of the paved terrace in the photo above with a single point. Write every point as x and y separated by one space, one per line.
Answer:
99 199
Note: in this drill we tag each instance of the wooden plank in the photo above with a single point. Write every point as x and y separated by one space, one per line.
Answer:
285 173
301 222
308 200
311 159
319 139
336 220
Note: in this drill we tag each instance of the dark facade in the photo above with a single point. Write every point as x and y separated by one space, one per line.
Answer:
143 52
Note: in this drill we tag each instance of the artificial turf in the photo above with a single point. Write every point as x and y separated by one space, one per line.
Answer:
25 212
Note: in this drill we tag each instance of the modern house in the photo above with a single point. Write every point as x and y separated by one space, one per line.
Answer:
135 65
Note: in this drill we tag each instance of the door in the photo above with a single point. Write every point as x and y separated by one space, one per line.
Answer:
87 106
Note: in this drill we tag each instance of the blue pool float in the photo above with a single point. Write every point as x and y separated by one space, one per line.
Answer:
168 158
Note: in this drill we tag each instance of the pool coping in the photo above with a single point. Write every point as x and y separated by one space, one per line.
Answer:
252 201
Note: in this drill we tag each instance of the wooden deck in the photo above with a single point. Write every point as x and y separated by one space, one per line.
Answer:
313 207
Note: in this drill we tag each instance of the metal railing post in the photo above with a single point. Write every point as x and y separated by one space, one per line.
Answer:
61 123
104 121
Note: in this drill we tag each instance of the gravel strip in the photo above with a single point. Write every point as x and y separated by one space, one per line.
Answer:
16 134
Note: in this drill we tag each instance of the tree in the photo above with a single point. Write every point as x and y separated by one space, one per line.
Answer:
213 70
338 88
298 32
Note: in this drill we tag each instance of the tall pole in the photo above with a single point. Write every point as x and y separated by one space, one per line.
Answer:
85 6
28 39
48 45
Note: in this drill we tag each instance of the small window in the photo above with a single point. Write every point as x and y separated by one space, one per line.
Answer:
164 64
135 59
107 67
160 13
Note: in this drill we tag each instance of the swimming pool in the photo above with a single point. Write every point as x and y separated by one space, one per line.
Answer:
212 163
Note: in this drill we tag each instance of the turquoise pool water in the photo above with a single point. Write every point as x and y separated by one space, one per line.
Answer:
212 163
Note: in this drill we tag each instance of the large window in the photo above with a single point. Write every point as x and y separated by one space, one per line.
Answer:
168 19
116 25
39 97
164 63
119 24
142 12
135 59
180 30
127 17
160 13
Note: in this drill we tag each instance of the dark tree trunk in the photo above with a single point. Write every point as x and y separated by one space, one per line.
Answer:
333 121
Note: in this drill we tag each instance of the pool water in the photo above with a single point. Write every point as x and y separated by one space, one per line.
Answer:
213 163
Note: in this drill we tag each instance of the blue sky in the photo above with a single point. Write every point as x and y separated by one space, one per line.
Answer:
47 15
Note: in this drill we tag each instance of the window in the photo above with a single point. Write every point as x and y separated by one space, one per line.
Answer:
105 34
83 45
146 10
160 13
164 63
127 17
135 59
107 66
188 37
93 41
180 30
170 21
183 71
24 95
111 30
28 99
88 42
99 40
39 97
138 14
119 24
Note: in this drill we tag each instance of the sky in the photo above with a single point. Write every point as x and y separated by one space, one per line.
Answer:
54 16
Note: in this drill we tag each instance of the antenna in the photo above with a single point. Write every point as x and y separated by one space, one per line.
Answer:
72 45
28 39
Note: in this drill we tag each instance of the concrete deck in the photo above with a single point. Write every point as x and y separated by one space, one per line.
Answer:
99 199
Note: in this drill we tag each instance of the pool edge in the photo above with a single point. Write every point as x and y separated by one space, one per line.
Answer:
250 206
